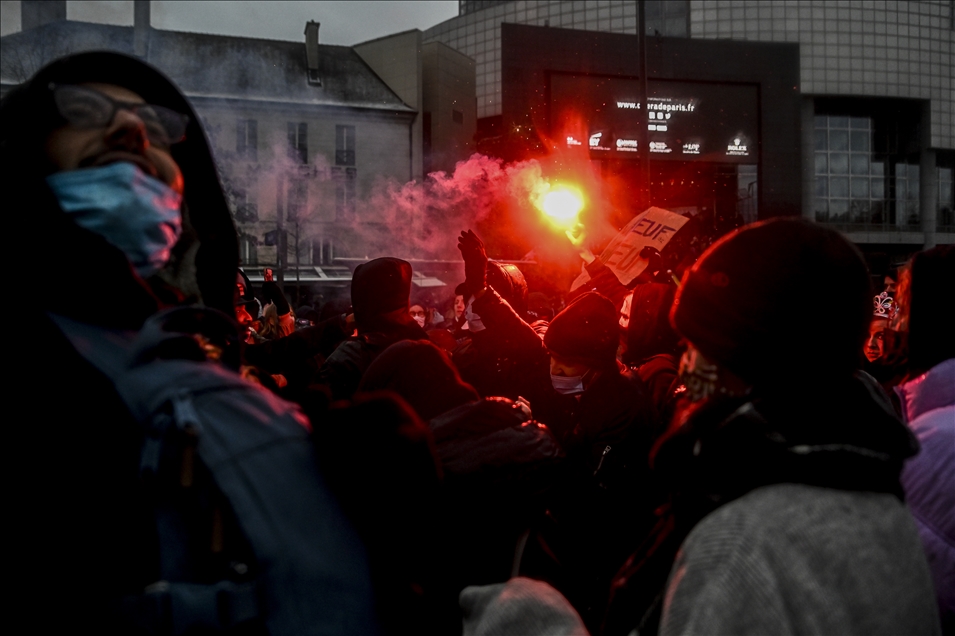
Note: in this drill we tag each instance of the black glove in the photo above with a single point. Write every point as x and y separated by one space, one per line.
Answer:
475 262
274 295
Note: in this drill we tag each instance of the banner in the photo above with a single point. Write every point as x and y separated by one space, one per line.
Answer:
653 228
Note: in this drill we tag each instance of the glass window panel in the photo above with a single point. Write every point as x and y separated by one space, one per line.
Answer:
860 141
859 122
838 140
859 163
822 140
822 163
838 209
877 189
822 209
822 121
838 122
822 187
900 189
860 188
859 211
945 193
877 168
877 211
838 187
944 174
839 163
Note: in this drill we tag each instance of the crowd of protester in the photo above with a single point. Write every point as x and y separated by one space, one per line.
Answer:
765 446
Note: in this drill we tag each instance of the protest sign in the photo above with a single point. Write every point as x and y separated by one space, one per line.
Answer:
653 228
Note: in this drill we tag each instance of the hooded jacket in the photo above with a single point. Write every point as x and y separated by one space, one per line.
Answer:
85 514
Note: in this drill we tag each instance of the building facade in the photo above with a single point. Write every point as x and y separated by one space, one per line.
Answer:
875 84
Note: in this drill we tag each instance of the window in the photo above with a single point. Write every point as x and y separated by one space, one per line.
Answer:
667 17
248 249
244 208
297 199
344 145
247 139
906 195
457 116
851 182
345 193
298 141
323 251
945 219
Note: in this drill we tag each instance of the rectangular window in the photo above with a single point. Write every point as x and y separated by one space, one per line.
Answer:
945 218
248 249
298 141
296 199
247 139
457 116
345 192
344 145
244 207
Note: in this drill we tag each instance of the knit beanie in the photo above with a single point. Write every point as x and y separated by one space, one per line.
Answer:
380 286
585 332
744 304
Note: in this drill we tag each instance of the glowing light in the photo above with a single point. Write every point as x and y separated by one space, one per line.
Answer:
562 206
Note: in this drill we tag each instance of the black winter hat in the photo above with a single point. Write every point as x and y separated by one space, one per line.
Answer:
744 304
380 286
585 332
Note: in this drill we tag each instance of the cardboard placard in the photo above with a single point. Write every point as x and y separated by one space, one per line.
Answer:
654 228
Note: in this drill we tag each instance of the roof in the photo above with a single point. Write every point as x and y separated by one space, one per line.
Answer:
214 66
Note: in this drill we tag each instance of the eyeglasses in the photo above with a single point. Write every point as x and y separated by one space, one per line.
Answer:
85 107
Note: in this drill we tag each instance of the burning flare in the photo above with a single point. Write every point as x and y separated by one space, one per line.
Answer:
562 206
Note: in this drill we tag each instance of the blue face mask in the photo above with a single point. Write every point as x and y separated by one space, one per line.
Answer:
133 211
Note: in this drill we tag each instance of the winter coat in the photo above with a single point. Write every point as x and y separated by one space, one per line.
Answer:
797 559
507 358
344 368
843 437
603 505
928 403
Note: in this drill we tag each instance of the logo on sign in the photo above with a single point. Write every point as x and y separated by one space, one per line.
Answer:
737 148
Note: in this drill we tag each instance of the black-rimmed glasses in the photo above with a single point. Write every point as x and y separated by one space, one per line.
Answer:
85 107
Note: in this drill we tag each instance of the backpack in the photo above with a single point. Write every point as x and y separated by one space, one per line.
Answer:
281 553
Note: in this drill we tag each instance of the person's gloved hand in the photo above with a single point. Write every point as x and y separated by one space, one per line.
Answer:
475 261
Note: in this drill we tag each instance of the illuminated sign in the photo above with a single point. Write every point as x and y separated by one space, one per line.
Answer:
685 120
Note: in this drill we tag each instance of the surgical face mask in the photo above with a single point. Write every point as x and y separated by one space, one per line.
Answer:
133 211
475 323
567 384
419 320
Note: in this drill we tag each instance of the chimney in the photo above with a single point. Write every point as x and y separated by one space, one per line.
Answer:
34 13
141 28
311 52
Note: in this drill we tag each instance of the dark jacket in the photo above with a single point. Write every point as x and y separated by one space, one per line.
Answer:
507 358
343 370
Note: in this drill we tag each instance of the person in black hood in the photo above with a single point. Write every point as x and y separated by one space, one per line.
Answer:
104 164
380 296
